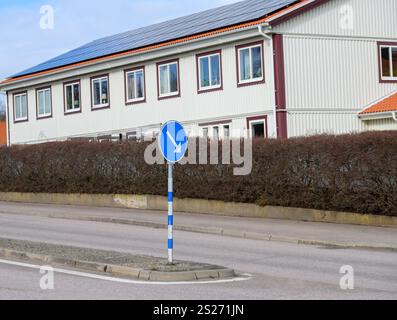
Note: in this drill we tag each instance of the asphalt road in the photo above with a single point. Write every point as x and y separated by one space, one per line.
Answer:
345 235
279 270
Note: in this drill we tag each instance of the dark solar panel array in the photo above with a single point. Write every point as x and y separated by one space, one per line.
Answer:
170 30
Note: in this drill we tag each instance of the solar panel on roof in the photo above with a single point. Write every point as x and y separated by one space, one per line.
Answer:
197 23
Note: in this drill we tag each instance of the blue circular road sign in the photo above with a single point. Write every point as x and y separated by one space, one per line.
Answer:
173 141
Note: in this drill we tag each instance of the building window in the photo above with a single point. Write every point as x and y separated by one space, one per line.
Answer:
168 79
135 85
44 103
133 135
250 64
204 133
215 133
226 132
72 97
21 107
258 130
216 130
209 67
257 127
388 62
100 92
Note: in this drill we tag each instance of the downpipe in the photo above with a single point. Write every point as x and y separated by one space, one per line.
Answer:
265 34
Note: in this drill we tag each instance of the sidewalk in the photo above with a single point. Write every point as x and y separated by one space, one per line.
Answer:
250 228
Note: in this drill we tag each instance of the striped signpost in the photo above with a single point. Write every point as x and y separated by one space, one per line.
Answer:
170 214
173 144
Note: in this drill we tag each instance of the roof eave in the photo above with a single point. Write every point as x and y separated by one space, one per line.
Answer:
12 81
377 115
281 16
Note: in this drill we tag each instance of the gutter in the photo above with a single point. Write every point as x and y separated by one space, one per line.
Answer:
78 67
263 33
378 116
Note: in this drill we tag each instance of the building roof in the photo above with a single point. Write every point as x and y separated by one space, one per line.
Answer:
194 24
387 104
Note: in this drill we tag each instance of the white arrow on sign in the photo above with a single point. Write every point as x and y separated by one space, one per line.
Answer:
178 147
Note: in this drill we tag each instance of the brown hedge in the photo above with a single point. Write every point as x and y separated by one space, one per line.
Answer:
355 173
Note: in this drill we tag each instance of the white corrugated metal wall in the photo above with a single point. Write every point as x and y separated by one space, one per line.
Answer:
312 123
332 72
330 80
380 125
370 19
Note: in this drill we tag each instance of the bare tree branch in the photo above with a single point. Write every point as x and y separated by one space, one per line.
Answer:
2 108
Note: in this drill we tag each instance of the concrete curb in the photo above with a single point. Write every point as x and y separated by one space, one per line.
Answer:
347 246
150 202
117 270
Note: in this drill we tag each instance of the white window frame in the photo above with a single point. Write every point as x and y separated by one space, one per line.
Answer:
100 79
72 84
20 119
223 131
135 71
255 122
202 132
170 94
391 77
208 56
252 79
211 130
213 133
44 115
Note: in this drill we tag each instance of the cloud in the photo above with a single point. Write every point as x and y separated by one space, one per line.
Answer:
25 44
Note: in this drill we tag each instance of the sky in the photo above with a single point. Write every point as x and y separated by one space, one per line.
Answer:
76 22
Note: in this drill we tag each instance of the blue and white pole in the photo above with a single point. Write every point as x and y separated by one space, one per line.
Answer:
173 143
170 215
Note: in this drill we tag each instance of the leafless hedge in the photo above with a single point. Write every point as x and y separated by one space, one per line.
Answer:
355 173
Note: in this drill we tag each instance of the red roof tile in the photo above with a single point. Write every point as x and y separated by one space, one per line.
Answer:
387 104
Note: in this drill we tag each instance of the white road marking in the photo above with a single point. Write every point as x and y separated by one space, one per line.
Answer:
177 146
242 277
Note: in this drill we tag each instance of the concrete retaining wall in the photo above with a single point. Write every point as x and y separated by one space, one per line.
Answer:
149 202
